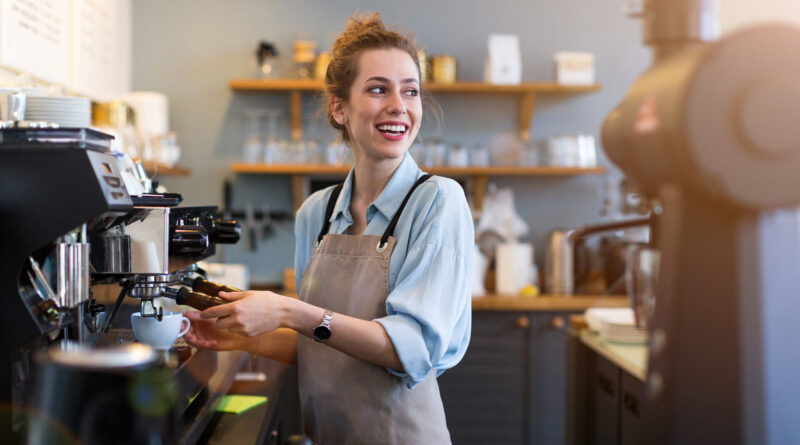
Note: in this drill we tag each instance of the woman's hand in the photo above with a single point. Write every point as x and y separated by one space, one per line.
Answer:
249 313
204 334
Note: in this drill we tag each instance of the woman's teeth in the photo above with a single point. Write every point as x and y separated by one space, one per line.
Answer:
392 129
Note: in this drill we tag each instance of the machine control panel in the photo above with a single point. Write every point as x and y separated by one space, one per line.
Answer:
110 179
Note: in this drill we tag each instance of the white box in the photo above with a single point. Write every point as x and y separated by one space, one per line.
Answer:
504 60
573 68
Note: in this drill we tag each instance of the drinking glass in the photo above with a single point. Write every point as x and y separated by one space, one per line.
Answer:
641 280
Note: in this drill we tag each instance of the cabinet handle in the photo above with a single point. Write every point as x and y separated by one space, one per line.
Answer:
523 322
606 385
557 322
631 402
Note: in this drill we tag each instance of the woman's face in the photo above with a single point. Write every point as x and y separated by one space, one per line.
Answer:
385 109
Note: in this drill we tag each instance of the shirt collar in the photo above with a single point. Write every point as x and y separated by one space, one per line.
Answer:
391 196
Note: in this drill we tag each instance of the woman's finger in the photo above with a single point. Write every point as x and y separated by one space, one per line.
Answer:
234 296
193 315
220 311
226 323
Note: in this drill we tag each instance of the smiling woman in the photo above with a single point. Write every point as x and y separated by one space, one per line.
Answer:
380 262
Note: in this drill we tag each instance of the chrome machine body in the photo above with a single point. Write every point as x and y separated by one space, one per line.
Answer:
710 133
68 223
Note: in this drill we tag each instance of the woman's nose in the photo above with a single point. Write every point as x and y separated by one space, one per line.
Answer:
396 104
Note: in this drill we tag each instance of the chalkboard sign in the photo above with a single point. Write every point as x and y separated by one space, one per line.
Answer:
84 45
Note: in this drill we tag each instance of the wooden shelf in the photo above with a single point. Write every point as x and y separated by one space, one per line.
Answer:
526 93
456 87
547 302
302 169
479 175
157 168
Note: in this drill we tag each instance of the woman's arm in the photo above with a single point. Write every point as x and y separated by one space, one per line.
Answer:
256 313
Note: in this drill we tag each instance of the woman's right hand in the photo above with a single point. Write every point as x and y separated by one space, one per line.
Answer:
204 334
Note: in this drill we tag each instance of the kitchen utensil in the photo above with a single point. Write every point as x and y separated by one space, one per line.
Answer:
43 287
12 106
559 277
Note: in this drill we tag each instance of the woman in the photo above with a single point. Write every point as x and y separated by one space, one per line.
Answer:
382 265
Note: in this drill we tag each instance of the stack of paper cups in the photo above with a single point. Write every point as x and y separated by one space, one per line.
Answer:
514 267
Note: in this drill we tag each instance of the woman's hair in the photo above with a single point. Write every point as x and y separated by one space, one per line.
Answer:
362 32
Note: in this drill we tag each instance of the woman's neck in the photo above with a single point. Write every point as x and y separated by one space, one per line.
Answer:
371 176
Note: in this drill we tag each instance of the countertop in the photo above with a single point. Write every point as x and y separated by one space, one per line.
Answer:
632 358
546 302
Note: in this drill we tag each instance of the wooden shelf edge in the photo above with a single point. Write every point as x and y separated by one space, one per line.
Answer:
456 87
290 169
547 302
152 168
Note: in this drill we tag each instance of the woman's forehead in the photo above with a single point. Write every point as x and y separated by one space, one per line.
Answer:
390 63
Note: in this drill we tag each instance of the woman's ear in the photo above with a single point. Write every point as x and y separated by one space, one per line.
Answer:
337 110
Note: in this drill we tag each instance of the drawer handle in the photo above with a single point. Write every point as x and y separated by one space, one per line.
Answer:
523 322
557 322
606 385
631 403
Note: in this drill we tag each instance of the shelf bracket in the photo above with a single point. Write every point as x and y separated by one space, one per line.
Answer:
296 111
298 191
478 191
527 103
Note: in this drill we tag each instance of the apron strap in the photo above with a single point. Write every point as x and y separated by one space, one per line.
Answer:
329 211
390 229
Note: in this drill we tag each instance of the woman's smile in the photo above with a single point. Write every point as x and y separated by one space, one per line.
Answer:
393 130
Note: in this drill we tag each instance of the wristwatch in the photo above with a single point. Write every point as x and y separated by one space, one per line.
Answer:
323 331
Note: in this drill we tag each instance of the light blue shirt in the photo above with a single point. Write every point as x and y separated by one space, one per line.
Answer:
429 313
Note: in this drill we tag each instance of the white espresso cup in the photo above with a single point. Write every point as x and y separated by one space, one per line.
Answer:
159 334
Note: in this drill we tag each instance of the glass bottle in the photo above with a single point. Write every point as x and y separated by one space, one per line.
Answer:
252 149
272 144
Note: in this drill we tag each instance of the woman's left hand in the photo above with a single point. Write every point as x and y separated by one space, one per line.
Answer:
249 313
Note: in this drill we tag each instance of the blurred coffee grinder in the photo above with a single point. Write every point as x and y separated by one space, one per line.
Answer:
710 133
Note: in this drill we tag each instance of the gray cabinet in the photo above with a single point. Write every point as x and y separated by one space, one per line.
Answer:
604 402
510 386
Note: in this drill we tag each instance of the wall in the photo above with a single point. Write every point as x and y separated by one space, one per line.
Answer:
735 14
188 49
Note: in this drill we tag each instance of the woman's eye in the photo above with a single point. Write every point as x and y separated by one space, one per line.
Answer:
412 92
377 90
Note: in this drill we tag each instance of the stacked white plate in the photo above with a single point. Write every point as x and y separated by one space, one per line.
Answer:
615 324
66 111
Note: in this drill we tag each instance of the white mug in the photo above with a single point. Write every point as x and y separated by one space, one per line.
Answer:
159 334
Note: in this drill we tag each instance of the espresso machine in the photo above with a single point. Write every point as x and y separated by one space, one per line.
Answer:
710 133
68 225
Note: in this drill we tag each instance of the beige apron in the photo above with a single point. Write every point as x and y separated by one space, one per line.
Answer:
345 400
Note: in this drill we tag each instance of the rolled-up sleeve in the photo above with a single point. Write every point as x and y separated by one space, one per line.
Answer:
429 315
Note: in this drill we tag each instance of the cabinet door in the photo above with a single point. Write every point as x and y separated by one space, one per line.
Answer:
548 378
484 395
630 423
606 402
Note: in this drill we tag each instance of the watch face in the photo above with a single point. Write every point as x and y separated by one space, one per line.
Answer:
322 333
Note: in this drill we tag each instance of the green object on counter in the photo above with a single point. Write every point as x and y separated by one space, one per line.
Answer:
237 404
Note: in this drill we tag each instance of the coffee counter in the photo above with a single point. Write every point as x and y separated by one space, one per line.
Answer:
631 358
546 302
